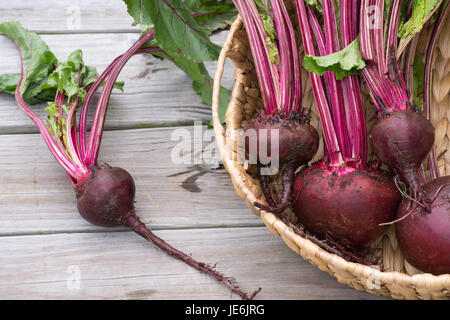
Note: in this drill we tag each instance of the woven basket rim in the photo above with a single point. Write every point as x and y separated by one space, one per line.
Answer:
417 281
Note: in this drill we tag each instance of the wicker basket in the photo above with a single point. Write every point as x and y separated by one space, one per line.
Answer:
396 278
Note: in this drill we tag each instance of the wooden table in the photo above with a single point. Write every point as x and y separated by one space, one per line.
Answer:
47 251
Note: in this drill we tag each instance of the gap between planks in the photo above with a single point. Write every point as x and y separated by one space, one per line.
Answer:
36 196
123 229
122 265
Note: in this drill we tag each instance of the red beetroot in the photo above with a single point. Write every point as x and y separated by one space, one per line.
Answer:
297 140
297 143
424 237
340 197
106 198
402 141
348 207
279 76
105 195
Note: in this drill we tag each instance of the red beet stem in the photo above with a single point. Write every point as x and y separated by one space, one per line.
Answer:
134 223
95 137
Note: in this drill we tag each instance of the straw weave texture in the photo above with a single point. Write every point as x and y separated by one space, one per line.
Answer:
394 277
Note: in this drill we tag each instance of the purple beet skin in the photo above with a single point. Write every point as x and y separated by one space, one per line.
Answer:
297 141
106 198
348 207
297 144
402 141
424 237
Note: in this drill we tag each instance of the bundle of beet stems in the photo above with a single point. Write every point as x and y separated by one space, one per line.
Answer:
283 122
342 197
105 195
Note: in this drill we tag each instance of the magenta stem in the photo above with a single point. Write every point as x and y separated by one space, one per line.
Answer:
356 124
285 66
87 103
391 46
273 68
378 36
365 38
408 70
329 133
90 94
54 148
100 114
333 87
297 80
71 147
260 54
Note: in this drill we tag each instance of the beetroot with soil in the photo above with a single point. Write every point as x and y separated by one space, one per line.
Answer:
347 207
283 118
402 141
423 229
403 136
297 143
341 198
424 236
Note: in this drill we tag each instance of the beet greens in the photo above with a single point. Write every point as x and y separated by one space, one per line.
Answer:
182 30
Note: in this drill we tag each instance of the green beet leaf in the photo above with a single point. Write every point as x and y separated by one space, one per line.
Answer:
343 63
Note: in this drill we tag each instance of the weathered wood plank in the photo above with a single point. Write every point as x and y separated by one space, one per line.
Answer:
156 92
69 16
36 196
122 265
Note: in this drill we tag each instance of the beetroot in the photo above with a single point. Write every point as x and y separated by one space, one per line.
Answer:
297 144
424 237
341 198
423 231
106 198
275 53
298 141
105 195
402 138
402 141
348 206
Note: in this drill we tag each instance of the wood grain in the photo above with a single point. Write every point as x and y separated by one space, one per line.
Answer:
156 92
36 196
121 265
75 16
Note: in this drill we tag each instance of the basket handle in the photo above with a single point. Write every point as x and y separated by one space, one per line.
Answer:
219 130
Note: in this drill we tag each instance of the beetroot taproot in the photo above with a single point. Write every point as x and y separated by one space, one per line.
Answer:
296 143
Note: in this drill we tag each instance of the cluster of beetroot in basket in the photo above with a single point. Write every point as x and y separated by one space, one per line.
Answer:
343 197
